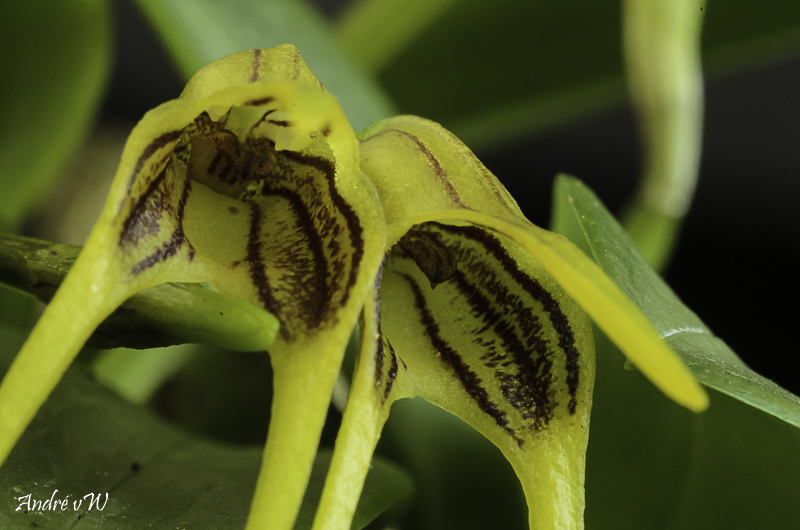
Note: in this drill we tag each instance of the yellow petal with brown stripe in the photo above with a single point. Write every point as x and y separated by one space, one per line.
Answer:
502 346
423 173
498 335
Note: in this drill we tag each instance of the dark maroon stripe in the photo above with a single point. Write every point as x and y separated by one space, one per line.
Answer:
256 65
495 185
469 379
319 291
259 102
259 122
531 286
530 389
280 123
258 273
440 172
171 247
379 354
140 220
296 60
212 167
151 148
168 249
392 375
353 224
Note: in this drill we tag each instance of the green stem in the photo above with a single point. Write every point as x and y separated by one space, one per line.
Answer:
89 294
303 383
358 435
553 487
662 53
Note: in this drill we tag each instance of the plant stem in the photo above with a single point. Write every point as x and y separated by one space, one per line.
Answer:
304 376
88 295
358 435
662 53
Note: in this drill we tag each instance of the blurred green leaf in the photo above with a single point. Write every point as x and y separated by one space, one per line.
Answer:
489 71
168 314
198 32
652 464
16 309
86 439
137 374
374 31
218 393
55 61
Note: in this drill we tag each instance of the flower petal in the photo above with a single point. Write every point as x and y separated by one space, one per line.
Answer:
441 180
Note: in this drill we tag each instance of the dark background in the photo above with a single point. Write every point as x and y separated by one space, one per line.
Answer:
734 264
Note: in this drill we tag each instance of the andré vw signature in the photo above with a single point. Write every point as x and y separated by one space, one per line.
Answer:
53 504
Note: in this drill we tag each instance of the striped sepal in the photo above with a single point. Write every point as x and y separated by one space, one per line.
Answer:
502 346
423 173
499 323
486 311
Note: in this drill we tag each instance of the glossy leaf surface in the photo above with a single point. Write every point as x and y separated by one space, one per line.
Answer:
652 465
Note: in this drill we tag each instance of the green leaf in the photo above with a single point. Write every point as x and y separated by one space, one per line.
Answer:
16 309
489 71
87 439
137 374
54 63
199 32
168 314
733 466
583 219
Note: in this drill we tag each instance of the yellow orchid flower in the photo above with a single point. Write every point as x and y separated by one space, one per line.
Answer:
254 182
